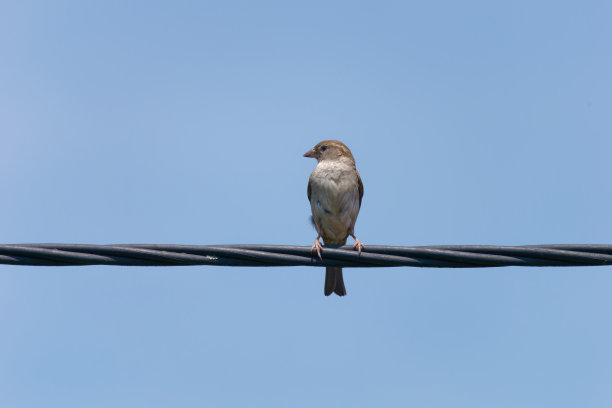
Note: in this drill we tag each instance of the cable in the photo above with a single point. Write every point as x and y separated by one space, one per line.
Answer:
446 256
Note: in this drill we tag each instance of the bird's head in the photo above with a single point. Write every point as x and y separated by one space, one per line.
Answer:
330 150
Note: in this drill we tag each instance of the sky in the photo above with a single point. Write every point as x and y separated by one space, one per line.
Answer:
185 122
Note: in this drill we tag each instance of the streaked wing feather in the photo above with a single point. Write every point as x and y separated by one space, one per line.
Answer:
360 188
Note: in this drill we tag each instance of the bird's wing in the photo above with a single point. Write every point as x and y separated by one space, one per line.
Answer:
309 192
358 182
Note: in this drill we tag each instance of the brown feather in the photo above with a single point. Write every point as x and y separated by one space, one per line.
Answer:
360 187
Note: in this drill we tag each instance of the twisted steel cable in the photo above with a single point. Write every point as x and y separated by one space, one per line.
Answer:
446 256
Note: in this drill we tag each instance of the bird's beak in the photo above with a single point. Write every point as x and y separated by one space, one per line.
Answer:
310 153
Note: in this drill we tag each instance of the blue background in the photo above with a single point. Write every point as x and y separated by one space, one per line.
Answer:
185 122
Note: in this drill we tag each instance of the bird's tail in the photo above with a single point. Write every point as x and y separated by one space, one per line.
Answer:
334 283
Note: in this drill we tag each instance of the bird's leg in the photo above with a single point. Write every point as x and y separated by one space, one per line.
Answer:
358 245
317 247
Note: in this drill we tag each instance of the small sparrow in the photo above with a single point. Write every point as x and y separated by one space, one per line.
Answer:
334 192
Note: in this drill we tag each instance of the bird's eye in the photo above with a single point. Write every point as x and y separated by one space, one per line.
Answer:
323 148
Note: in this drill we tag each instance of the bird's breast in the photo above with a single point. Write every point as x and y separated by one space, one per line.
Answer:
334 200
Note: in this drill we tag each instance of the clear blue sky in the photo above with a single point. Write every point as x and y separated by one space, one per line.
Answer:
472 122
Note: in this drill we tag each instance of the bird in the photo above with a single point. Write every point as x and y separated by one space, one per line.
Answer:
335 191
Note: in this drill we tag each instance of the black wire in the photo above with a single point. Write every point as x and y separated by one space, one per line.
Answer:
446 256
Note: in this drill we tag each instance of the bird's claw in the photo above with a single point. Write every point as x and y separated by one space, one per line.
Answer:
317 247
359 246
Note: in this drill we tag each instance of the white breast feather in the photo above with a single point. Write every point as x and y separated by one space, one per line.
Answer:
334 200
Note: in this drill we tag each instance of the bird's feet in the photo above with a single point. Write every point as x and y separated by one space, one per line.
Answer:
317 247
358 245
